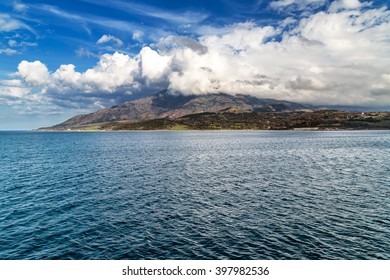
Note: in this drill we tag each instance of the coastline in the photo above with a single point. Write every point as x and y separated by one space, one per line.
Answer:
324 120
210 130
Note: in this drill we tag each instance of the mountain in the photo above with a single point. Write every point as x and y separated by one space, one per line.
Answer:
173 106
297 120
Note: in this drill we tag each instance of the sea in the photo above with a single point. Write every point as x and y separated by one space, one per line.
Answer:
280 195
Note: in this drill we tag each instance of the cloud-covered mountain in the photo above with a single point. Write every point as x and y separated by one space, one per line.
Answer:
67 59
339 54
168 105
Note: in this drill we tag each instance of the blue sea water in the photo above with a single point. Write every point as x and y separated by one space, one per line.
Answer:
195 195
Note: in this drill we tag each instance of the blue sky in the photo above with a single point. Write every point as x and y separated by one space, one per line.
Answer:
61 58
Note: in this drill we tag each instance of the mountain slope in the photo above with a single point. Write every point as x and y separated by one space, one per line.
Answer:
165 105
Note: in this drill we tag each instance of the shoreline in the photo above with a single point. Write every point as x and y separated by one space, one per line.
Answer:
325 120
213 130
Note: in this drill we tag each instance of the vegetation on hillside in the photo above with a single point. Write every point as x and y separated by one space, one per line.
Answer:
317 120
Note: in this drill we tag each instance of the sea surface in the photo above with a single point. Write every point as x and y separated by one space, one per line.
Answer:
195 195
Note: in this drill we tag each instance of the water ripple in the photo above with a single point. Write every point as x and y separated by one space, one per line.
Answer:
195 195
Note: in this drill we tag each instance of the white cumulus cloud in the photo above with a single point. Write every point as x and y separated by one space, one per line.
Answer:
154 66
34 73
329 57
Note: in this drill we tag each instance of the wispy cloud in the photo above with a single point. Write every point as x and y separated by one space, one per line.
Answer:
109 38
138 36
186 17
300 3
9 24
13 43
14 28
8 51
347 5
19 6
293 6
105 23
81 52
